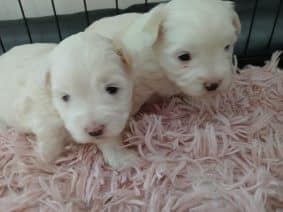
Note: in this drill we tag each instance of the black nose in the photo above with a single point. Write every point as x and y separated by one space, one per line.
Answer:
97 131
211 86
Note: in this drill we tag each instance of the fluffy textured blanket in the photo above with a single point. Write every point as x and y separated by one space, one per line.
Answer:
218 154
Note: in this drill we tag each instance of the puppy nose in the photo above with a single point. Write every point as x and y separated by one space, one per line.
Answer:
212 86
95 131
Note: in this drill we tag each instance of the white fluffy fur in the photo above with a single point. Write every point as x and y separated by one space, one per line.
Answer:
34 78
202 28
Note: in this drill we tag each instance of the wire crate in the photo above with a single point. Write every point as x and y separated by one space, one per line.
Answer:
262 23
55 27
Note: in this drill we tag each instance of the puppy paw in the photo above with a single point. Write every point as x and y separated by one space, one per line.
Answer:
48 152
123 159
118 157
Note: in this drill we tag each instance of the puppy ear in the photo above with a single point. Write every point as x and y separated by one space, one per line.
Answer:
44 81
146 28
47 79
122 53
236 23
25 103
153 23
46 74
235 17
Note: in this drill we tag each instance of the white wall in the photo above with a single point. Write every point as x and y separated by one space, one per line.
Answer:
9 9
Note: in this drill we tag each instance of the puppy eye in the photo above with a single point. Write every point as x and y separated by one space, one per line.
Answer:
66 98
227 48
112 90
185 57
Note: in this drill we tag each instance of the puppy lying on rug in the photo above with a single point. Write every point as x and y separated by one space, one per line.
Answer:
182 46
80 88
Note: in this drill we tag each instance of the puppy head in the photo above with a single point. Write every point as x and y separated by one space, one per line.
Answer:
91 87
194 43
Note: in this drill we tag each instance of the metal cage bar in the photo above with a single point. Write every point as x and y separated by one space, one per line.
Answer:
117 6
274 24
2 45
56 20
250 28
86 12
25 20
146 4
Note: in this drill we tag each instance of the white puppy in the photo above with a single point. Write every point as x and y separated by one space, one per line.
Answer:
182 46
81 88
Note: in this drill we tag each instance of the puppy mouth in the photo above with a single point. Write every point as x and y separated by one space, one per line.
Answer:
204 93
220 91
97 140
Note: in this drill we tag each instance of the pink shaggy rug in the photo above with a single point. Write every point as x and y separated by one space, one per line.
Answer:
220 154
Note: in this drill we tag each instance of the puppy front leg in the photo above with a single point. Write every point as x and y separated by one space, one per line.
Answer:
51 140
117 156
37 114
